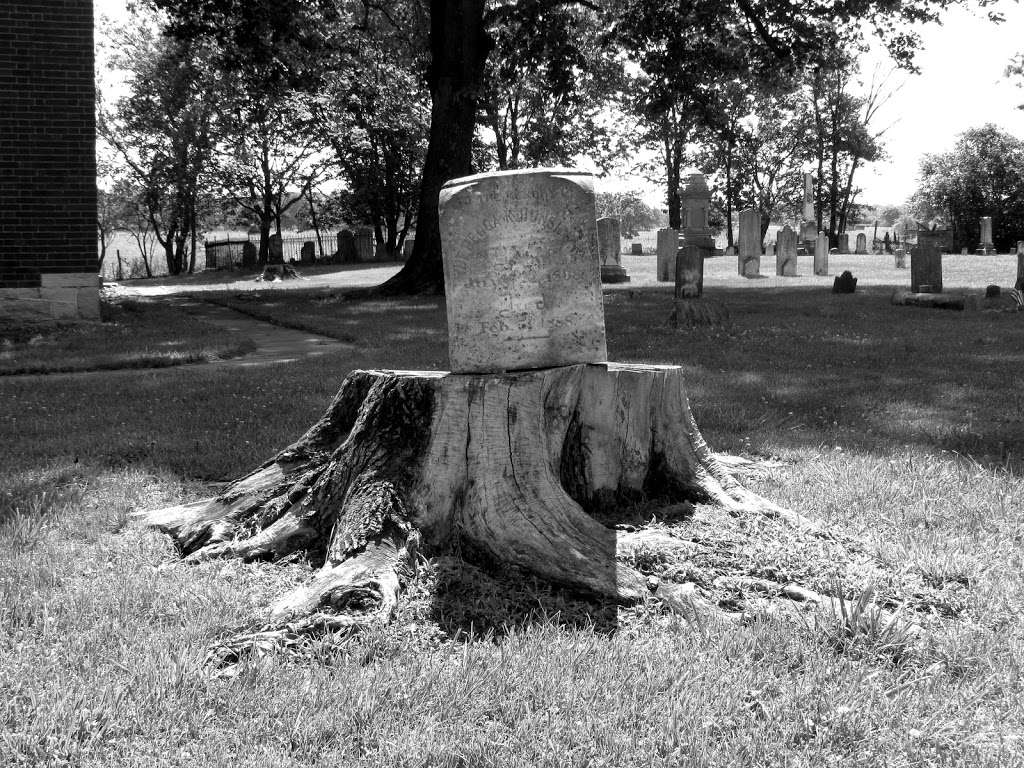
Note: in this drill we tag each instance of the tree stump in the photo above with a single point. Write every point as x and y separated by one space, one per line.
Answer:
510 464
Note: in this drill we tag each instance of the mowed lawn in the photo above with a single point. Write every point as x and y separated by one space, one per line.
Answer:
900 428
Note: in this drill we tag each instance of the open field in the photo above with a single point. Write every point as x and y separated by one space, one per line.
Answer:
900 427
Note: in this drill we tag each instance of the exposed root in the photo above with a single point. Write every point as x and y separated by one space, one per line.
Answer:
510 464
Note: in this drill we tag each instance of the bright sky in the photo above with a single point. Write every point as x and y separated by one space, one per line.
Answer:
961 85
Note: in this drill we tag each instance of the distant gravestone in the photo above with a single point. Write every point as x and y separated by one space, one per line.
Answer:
690 270
749 259
901 259
521 271
250 254
307 255
986 247
347 253
844 242
926 268
407 246
636 249
1019 285
609 249
668 244
862 243
364 243
276 250
821 254
785 252
696 202
809 228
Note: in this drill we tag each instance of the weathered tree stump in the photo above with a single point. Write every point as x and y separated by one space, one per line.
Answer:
510 464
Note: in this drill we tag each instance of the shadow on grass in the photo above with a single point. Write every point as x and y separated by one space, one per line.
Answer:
802 367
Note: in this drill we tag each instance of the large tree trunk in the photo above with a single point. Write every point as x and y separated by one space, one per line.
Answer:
459 46
507 465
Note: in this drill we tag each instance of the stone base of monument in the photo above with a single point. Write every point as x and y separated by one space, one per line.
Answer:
957 301
507 466
614 273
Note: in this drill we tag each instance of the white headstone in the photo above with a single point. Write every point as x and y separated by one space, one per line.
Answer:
609 248
785 252
521 270
749 259
862 243
821 254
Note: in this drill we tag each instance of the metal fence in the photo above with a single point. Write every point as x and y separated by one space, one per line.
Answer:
227 253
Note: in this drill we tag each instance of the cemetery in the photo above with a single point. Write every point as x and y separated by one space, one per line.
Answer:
524 385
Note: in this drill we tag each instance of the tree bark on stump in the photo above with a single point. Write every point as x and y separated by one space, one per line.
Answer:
510 464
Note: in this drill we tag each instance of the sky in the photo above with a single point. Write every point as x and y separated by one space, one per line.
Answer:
961 85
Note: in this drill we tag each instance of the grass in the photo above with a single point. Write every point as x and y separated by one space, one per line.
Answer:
899 426
132 334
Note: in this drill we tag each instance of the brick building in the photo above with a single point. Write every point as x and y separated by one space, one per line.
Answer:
48 264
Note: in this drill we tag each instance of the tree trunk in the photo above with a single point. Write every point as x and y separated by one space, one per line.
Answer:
508 466
459 46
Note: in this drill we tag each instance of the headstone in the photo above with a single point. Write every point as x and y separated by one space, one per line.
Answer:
521 270
901 259
407 245
276 250
862 243
844 283
992 291
844 242
821 254
749 259
609 248
668 244
308 253
785 252
809 228
986 246
250 254
1020 265
941 238
347 253
636 249
690 270
364 243
925 268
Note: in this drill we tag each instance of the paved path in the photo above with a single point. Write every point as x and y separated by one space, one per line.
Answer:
274 343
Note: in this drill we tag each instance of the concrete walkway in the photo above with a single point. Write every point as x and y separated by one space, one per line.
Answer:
274 343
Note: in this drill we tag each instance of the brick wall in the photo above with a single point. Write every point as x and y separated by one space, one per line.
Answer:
47 143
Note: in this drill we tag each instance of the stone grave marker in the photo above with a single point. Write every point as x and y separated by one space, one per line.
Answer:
695 202
901 259
844 242
690 270
521 270
364 243
821 254
276 250
668 244
308 253
609 248
347 253
749 259
785 252
250 254
636 249
862 243
986 247
926 267
1019 285
809 228
408 244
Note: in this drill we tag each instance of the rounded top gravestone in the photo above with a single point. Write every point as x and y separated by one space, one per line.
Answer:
521 270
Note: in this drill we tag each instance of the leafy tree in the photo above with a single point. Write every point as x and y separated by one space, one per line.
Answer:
458 44
161 129
631 211
983 175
